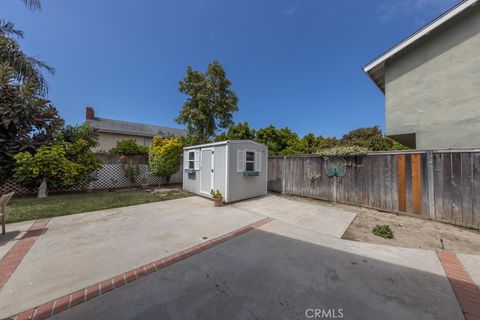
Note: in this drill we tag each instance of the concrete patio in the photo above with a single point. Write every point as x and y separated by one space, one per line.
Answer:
277 271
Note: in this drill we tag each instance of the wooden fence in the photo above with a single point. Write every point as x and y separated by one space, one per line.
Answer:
436 185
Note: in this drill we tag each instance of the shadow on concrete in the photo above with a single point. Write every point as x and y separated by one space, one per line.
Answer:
262 275
8 236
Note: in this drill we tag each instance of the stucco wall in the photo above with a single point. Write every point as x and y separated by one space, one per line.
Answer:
433 90
108 140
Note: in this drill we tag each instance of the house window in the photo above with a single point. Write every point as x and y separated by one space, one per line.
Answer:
191 160
250 161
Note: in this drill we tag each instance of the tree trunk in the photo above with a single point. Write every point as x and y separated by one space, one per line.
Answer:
42 190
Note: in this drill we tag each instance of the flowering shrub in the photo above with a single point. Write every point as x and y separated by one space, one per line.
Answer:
165 156
342 151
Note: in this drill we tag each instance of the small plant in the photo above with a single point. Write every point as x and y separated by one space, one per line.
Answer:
130 169
216 194
383 231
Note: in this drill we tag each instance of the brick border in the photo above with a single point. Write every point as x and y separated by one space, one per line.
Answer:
70 300
466 291
15 255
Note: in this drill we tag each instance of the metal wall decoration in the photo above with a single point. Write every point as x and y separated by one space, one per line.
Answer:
336 167
312 175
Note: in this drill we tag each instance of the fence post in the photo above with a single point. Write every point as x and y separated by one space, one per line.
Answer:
335 189
431 187
284 173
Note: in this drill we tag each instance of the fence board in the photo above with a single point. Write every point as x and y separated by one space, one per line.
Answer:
438 185
401 183
457 188
476 190
447 188
467 196
416 184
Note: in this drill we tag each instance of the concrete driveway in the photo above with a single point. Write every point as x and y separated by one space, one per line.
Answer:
288 268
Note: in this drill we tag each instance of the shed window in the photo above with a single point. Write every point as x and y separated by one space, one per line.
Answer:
250 161
191 160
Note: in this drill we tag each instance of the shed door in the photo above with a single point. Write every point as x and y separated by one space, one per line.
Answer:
206 171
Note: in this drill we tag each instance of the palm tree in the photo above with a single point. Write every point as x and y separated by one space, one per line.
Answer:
32 4
25 67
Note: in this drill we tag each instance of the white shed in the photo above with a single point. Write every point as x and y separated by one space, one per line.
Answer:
238 168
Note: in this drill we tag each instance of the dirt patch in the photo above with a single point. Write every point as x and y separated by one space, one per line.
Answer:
408 232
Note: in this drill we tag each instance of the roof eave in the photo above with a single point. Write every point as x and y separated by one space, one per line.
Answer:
419 34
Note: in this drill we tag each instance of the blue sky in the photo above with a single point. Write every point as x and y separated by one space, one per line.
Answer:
295 63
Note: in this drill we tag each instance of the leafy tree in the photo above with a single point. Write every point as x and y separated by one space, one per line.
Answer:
24 67
129 148
310 144
279 141
210 105
27 120
62 164
370 138
240 131
165 156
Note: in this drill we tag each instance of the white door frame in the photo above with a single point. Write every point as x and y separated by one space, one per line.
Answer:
211 169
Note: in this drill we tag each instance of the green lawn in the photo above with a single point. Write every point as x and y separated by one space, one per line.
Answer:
23 209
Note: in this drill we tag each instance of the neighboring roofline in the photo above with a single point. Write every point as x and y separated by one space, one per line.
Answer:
445 17
219 143
131 133
137 134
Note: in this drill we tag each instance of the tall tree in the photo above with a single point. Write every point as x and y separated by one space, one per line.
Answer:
279 141
210 104
27 120
240 131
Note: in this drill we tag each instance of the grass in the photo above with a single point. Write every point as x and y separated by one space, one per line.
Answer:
383 231
23 209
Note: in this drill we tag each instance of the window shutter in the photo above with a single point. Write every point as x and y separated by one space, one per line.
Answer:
197 160
258 161
240 160
185 160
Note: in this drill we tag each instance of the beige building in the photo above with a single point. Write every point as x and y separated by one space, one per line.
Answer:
110 131
431 82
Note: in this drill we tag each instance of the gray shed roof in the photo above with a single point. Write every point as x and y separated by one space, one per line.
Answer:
133 128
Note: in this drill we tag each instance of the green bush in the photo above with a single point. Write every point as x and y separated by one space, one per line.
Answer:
66 162
129 148
383 231
165 156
